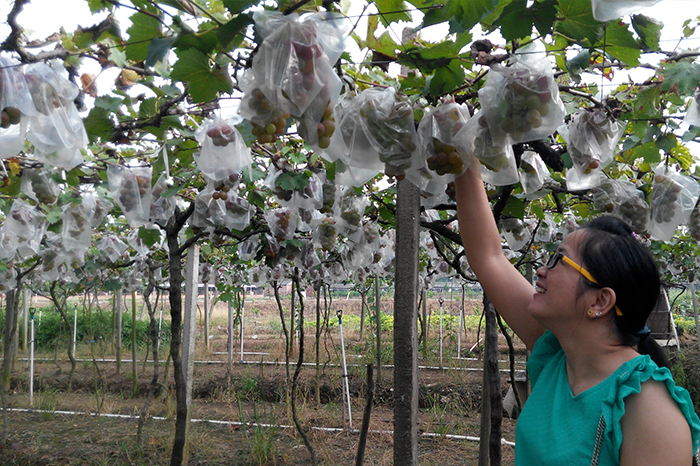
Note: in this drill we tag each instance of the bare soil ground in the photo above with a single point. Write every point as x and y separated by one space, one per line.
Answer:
249 400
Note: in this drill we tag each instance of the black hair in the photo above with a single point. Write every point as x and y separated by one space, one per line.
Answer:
617 260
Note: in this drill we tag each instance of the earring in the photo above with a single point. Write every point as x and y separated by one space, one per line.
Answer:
590 313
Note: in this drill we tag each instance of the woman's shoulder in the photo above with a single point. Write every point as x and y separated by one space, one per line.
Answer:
645 405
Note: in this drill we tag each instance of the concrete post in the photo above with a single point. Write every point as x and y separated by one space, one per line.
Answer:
406 325
189 323
118 329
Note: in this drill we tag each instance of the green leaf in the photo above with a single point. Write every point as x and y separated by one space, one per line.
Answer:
238 6
54 215
514 22
577 23
667 142
682 76
97 5
544 13
462 15
648 103
579 63
149 236
292 181
514 207
447 79
98 125
204 81
205 42
144 28
620 43
257 199
647 152
391 11
158 49
231 35
683 156
649 31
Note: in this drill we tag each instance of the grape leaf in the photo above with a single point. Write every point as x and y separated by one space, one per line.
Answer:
577 22
204 81
683 156
577 64
292 181
619 43
158 49
143 30
392 10
649 31
683 76
462 15
647 104
238 6
230 34
667 143
98 124
514 21
446 79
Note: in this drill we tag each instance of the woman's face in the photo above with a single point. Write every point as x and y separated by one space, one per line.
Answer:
557 300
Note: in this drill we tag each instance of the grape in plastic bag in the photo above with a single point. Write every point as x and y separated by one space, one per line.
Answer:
77 231
694 222
622 199
137 243
497 159
673 197
56 130
282 223
296 56
326 233
437 131
591 137
22 231
38 184
209 213
606 10
15 105
102 207
533 172
112 247
692 117
131 190
162 207
516 233
248 249
521 101
224 152
238 212
349 213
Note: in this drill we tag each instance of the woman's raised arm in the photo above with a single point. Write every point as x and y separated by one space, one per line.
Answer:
508 290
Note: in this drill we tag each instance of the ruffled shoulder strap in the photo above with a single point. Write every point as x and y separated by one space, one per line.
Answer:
628 381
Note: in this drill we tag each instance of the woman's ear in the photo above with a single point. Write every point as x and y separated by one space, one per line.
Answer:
604 302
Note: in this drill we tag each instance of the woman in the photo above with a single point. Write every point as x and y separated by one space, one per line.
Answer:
595 399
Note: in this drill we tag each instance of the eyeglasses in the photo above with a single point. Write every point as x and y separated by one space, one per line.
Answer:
559 256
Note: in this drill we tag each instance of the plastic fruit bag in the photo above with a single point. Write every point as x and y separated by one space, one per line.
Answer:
224 152
317 124
349 212
77 231
516 233
692 117
282 223
38 184
673 197
606 10
209 213
533 172
296 56
497 159
15 105
694 222
387 120
102 207
162 207
248 249
546 229
22 231
112 247
622 199
308 257
56 130
136 243
521 101
238 212
436 132
131 190
326 233
591 138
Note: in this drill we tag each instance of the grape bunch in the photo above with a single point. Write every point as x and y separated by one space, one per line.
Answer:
280 225
351 215
46 99
238 206
663 197
603 196
326 234
694 223
222 187
43 191
491 156
515 227
528 168
132 190
591 133
451 191
392 133
326 127
9 116
77 223
328 197
221 135
273 120
634 210
526 100
445 159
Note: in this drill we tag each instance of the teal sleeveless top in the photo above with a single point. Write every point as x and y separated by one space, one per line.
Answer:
556 428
